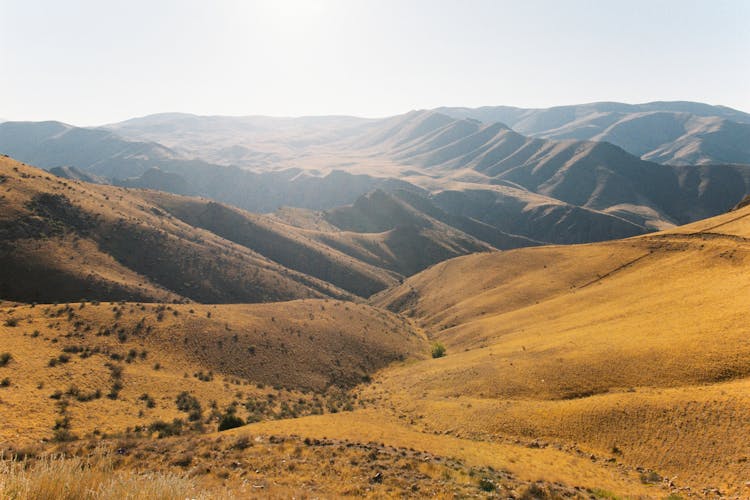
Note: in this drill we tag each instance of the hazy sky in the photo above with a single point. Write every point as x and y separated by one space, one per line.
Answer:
91 62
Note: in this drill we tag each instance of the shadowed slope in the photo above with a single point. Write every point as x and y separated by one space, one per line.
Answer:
65 240
287 245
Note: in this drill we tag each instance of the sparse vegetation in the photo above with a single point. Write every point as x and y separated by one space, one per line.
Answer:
5 358
437 350
116 376
486 485
230 421
189 404
165 429
87 479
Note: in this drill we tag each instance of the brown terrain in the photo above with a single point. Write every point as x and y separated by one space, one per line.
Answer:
229 354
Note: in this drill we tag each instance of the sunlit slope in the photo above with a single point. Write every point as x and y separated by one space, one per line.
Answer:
611 308
301 353
577 473
638 350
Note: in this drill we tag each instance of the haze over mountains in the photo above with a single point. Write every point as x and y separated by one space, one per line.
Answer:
562 182
676 133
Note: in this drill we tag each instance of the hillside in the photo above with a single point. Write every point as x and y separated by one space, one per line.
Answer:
640 356
268 360
626 376
593 175
676 133
139 388
96 151
129 244
67 240
246 141
572 189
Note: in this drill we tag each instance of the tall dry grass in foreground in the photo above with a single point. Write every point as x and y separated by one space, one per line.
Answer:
75 478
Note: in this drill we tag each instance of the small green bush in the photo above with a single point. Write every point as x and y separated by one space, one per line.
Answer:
5 358
438 350
230 421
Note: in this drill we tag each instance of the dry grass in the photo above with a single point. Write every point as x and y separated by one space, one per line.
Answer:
287 359
596 366
241 465
60 478
634 351
526 464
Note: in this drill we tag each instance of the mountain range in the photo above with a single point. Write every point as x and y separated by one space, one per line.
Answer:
676 133
429 304
544 187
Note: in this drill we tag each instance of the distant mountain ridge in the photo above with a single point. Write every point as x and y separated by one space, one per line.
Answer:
594 175
677 133
486 172
63 240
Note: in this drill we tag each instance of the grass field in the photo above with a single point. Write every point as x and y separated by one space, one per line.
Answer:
609 370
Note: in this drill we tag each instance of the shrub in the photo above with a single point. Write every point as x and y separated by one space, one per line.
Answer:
650 477
534 492
243 442
183 460
438 350
189 404
150 403
165 429
486 485
11 322
230 421
5 382
63 436
5 358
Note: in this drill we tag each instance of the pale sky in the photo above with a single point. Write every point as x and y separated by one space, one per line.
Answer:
90 62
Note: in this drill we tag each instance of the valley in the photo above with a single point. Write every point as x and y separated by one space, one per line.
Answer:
423 305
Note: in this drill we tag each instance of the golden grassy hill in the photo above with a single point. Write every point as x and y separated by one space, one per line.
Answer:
637 350
67 240
609 370
271 360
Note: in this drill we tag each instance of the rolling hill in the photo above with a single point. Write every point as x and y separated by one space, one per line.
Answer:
626 376
125 244
92 150
640 357
552 191
269 360
67 240
588 174
676 133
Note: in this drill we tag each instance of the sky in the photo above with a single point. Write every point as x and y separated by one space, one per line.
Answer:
91 62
